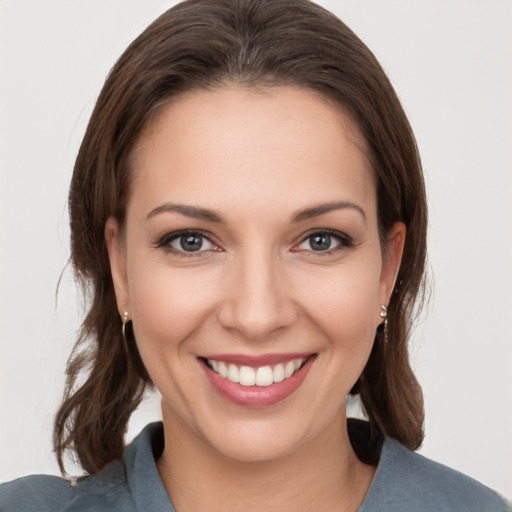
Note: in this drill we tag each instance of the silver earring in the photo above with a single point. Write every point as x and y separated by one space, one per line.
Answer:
383 311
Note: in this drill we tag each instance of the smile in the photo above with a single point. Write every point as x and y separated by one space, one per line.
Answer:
256 381
262 376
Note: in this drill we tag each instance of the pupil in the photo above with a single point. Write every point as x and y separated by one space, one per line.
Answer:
191 243
320 242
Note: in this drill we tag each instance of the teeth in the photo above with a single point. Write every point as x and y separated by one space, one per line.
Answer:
223 370
263 376
233 373
279 373
289 369
247 376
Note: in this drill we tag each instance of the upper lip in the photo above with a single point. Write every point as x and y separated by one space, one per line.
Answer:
257 361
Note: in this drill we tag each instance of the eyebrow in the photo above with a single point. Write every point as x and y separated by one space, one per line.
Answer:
211 215
321 209
188 211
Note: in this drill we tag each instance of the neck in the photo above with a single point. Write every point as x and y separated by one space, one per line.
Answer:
325 471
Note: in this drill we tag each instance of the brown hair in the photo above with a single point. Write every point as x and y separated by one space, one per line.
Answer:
201 44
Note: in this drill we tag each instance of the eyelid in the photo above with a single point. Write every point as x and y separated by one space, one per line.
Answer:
345 241
164 242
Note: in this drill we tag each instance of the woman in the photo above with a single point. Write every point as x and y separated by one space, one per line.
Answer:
249 208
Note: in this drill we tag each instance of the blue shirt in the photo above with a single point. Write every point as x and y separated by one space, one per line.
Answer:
404 482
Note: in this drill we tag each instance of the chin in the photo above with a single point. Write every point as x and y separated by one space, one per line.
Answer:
255 443
277 433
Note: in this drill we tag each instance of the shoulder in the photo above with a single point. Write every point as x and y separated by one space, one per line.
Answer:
122 485
35 493
106 491
407 481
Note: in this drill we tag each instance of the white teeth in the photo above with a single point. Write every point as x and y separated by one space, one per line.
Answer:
223 370
289 369
279 373
263 376
247 376
233 373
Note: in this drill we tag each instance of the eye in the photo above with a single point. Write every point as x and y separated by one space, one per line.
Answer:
324 241
186 242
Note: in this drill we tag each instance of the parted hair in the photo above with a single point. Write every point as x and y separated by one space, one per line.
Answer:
202 45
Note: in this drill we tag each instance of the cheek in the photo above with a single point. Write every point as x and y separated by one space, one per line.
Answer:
168 304
344 303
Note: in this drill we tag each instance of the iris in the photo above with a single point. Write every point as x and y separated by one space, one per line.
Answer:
320 242
191 243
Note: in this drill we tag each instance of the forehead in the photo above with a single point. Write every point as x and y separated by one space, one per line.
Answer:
279 144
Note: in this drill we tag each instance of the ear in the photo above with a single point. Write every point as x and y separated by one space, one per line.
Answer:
117 257
392 257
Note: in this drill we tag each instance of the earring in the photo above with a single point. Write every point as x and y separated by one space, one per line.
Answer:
384 314
125 321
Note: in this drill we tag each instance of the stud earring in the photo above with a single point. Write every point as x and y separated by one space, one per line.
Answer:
383 311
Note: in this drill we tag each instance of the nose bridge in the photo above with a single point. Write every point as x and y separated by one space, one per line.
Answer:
257 302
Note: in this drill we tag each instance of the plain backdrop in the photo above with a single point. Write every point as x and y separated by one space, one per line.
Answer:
451 64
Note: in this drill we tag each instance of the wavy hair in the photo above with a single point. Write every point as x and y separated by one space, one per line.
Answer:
205 44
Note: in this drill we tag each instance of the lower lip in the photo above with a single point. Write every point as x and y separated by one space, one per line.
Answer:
257 396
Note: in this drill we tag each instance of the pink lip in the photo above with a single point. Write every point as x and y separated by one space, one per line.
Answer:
256 361
257 396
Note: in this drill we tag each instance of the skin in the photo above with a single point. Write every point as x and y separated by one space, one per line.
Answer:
256 159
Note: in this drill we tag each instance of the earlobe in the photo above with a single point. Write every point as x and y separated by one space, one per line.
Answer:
391 260
117 259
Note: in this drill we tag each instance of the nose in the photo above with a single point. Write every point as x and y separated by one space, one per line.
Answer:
258 300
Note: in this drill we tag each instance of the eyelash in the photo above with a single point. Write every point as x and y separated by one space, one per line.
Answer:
345 242
165 243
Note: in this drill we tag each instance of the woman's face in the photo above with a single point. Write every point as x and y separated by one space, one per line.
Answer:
251 252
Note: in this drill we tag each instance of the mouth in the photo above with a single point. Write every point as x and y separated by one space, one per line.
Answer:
261 376
257 381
